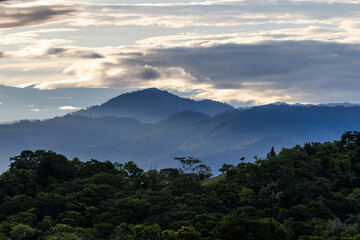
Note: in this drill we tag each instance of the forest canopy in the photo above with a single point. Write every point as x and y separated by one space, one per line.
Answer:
304 192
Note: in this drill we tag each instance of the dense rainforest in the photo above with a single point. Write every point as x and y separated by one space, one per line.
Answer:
308 192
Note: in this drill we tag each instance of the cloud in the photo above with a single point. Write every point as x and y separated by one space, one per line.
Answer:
72 53
255 51
69 108
32 37
175 17
347 32
146 73
117 73
217 13
38 110
35 13
37 52
292 71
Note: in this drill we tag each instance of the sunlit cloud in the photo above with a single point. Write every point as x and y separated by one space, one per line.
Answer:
31 37
33 52
271 71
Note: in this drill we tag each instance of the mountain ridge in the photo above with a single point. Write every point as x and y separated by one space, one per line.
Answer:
223 137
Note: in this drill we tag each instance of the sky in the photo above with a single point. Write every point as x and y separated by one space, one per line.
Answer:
58 56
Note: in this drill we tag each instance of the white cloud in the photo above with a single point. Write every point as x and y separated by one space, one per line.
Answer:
69 108
217 13
32 37
48 50
117 74
38 110
164 18
345 33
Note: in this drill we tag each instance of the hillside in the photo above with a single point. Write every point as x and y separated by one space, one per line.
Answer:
309 192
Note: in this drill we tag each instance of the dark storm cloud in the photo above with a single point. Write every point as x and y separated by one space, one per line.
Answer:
27 15
229 63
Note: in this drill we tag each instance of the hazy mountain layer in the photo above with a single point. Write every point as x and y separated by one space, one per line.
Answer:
225 137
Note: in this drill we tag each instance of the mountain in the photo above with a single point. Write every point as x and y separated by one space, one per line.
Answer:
215 139
151 105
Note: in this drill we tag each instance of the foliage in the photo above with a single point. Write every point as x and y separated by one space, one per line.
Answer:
309 192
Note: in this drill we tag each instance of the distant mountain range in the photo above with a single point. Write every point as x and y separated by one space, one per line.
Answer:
344 104
151 127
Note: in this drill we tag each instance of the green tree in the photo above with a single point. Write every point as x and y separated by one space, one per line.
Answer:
144 232
188 163
226 167
188 233
170 235
271 154
21 231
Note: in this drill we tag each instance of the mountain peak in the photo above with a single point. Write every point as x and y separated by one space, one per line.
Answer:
146 90
152 105
151 90
279 104
150 97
